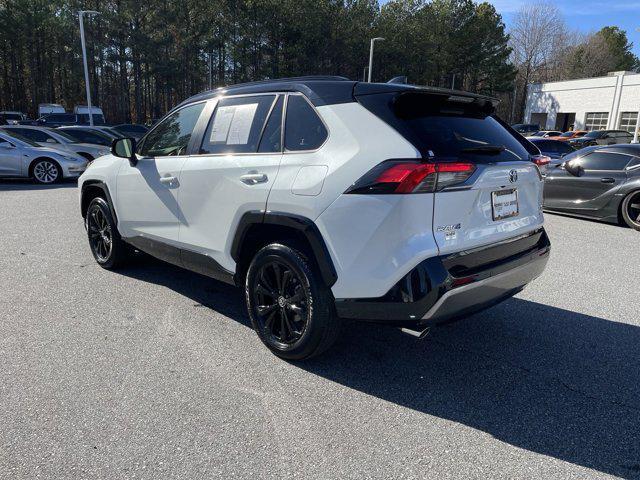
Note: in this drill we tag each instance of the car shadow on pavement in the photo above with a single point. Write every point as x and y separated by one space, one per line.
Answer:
540 378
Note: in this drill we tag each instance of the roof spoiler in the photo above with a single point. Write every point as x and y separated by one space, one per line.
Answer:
399 80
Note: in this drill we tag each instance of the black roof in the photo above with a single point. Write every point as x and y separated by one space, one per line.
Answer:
328 90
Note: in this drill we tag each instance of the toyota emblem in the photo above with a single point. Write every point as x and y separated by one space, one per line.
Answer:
513 176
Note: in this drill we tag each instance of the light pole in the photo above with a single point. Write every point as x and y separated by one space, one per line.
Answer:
84 60
373 40
210 70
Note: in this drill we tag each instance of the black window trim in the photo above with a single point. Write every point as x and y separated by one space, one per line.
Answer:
140 143
284 122
213 106
212 103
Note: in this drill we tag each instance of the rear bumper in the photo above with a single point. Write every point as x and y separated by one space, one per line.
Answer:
447 287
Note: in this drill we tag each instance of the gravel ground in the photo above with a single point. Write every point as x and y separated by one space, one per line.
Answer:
154 372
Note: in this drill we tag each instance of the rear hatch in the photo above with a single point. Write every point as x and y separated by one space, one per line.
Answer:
502 198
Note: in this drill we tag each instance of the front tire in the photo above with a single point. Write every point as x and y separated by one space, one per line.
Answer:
631 210
290 307
46 172
107 247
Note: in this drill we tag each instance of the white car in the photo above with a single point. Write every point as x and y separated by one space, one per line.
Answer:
328 199
20 157
49 137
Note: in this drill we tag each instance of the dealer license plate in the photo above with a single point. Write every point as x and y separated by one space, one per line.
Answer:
504 204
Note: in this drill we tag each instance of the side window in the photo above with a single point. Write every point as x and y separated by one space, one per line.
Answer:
564 148
171 136
34 135
236 124
271 140
548 146
303 128
604 161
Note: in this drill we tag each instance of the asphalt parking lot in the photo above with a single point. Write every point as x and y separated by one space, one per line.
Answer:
154 372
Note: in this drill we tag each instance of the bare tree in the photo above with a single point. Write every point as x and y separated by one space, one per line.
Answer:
537 39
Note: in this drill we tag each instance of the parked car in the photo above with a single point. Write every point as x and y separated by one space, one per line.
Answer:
82 113
49 108
601 137
48 137
104 129
554 149
571 134
131 130
12 118
526 129
600 182
20 157
377 211
546 133
88 135
67 119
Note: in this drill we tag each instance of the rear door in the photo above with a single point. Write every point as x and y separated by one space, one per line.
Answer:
238 158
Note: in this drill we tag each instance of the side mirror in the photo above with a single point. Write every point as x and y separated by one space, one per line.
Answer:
4 144
574 169
125 148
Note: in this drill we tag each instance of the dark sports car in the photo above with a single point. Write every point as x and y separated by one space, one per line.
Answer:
600 182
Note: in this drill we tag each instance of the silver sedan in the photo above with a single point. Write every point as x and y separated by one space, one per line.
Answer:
20 157
49 137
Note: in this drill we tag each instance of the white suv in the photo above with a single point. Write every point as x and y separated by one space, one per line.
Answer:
328 199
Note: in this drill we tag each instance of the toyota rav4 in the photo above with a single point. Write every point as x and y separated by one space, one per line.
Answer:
328 199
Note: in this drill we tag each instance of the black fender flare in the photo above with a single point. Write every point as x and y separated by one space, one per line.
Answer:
102 186
303 225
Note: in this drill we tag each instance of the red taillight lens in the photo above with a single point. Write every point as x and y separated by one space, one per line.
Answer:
540 160
411 176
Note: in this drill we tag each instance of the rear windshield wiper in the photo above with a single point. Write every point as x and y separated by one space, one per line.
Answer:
485 149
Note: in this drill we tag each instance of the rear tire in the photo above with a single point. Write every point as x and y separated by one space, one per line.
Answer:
107 247
290 307
630 210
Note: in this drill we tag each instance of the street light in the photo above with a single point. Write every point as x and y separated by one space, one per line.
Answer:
373 40
209 55
84 59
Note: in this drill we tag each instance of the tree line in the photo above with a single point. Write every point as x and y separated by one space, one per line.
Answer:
545 49
144 57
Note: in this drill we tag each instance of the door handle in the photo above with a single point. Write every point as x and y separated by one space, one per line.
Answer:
253 178
608 180
168 180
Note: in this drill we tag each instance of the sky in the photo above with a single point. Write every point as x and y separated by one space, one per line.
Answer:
588 15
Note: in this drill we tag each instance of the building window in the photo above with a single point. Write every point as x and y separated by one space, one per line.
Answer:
628 121
596 121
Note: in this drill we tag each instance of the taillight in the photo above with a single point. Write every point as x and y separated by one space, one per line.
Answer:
540 160
411 176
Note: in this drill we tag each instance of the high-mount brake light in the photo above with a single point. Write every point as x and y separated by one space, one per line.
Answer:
412 176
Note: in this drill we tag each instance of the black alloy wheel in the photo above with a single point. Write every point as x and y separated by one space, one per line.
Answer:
631 210
282 305
291 308
100 234
107 247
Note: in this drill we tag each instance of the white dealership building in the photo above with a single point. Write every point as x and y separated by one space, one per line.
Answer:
610 102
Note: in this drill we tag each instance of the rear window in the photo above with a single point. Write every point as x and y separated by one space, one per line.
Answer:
443 129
